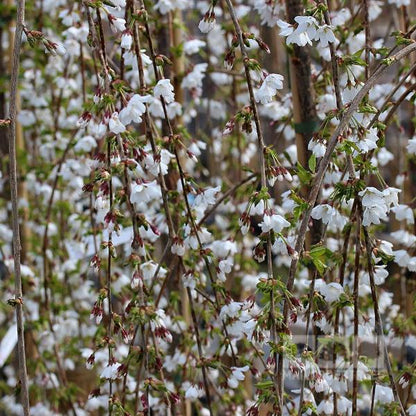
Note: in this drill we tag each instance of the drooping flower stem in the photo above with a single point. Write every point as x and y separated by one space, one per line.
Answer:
21 354
356 312
262 147
377 317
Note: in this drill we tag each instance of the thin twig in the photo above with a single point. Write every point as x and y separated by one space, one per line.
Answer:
262 148
378 321
356 311
200 352
225 196
15 214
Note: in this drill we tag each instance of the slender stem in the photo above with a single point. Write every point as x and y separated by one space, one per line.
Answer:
262 148
378 321
200 352
356 318
108 283
308 320
366 22
341 277
392 93
15 214
224 197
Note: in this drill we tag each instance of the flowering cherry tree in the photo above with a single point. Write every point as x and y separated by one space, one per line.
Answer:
208 207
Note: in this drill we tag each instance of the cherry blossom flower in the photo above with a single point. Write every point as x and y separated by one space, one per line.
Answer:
331 291
411 146
326 407
324 35
237 374
380 275
318 148
126 40
383 394
329 215
363 373
268 89
164 89
178 248
115 125
110 372
142 191
377 204
134 109
166 6
399 3
192 393
85 144
193 46
273 222
225 267
340 17
117 24
305 32
268 12
404 212
207 24
194 79
206 197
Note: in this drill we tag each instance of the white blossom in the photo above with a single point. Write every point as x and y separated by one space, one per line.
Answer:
399 3
331 291
329 215
411 146
194 79
273 222
324 35
110 372
318 148
207 23
115 125
134 109
192 393
164 89
206 198
85 144
178 248
193 46
363 373
237 374
383 394
117 24
126 40
142 191
268 89
404 212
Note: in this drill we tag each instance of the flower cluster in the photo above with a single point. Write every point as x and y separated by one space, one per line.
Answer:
306 31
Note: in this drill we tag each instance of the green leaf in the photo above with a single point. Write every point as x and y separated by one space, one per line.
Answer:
266 384
304 176
312 163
